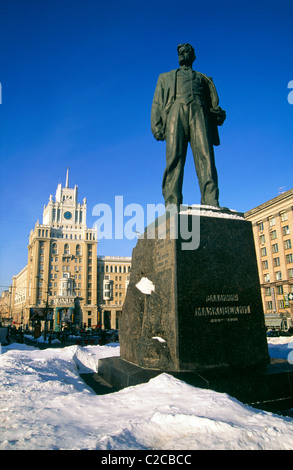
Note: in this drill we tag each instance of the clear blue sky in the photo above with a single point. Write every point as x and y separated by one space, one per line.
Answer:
78 78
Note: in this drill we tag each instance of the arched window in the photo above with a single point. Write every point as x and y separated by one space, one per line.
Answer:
66 249
54 249
78 250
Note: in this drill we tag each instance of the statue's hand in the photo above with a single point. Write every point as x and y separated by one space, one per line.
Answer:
219 114
159 136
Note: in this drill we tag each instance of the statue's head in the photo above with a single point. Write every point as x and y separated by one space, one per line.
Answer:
186 54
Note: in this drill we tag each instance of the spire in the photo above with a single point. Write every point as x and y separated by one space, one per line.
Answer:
67 178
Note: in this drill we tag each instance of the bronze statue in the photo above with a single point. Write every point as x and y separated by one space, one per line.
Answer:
186 109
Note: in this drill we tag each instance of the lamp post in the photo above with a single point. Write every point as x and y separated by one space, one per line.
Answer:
46 308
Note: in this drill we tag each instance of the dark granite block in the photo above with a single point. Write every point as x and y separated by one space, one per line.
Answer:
202 308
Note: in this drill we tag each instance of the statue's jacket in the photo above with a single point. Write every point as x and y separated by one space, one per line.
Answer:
165 95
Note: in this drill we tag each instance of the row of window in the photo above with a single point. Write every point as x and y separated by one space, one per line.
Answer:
275 247
111 302
66 249
278 275
67 268
68 236
272 220
117 278
113 269
281 304
273 234
276 261
55 259
76 276
55 293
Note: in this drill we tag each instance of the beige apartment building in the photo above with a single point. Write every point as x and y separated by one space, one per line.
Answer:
113 280
273 234
59 282
5 307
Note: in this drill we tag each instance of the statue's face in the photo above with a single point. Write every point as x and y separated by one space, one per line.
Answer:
185 56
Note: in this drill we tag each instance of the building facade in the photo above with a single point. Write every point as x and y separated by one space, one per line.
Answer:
113 280
5 307
59 283
272 224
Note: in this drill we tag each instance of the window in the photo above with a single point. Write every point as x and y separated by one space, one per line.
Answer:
281 304
289 258
78 250
286 230
278 275
54 249
267 278
287 244
279 289
276 261
284 216
269 305
66 249
273 235
267 291
272 221
262 239
263 251
275 248
260 226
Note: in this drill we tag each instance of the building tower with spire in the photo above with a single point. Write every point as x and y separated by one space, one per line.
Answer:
61 274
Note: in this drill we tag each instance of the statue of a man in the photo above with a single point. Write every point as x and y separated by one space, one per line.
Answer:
186 109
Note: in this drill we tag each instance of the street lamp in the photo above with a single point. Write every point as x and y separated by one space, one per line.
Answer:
46 308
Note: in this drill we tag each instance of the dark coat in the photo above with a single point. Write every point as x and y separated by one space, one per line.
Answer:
165 95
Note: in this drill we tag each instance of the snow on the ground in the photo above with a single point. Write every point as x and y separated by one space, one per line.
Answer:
46 405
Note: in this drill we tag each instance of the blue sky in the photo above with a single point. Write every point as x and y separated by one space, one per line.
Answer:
78 79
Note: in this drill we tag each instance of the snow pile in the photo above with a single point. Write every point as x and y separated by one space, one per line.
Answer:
145 286
212 211
281 348
46 405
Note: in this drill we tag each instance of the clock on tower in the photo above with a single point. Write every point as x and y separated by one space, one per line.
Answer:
67 215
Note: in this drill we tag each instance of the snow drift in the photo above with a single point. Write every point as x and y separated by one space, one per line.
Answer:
45 405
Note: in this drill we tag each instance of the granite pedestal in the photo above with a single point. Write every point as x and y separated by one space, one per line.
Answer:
194 303
193 309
